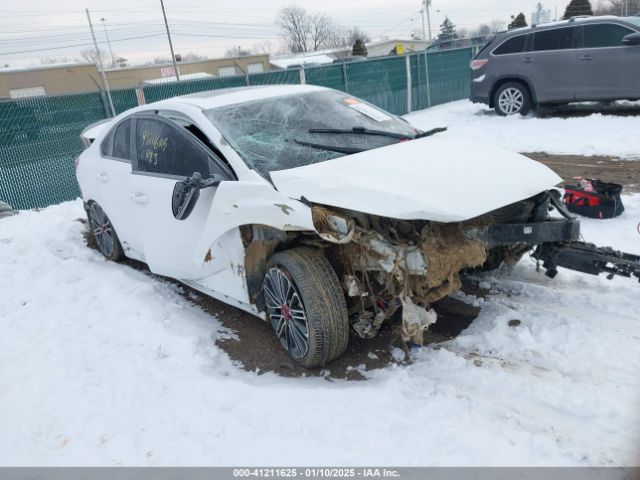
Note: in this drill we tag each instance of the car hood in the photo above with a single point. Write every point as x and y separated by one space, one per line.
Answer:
440 178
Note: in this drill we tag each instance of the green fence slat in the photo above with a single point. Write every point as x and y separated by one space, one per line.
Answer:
449 75
282 77
381 82
330 76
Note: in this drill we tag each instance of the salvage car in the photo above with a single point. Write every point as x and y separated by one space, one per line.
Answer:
315 210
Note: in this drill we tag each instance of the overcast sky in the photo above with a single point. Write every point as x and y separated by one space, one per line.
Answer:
55 29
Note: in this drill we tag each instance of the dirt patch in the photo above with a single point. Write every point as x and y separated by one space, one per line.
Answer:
610 169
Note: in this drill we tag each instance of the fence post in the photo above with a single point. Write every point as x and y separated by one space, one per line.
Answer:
409 83
427 81
303 76
345 77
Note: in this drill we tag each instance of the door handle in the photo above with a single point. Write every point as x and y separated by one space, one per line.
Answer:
103 177
586 57
528 59
140 198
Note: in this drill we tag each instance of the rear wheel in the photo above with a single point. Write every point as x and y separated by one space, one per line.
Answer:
512 98
306 306
104 234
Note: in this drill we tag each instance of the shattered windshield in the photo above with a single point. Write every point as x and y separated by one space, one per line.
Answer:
280 132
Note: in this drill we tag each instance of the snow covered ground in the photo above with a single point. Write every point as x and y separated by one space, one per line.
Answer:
101 364
596 134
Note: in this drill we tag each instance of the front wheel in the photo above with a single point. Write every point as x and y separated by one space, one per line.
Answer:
512 98
306 306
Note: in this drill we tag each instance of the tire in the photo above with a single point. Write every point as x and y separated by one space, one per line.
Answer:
103 233
512 98
313 299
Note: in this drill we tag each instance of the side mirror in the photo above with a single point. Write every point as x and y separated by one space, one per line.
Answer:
185 196
187 192
632 39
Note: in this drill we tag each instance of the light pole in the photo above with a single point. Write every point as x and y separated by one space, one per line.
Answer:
427 4
173 56
106 34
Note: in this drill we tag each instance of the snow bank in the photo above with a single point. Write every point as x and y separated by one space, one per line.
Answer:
596 134
103 365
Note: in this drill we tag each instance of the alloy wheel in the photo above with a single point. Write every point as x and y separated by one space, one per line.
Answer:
511 100
286 312
102 229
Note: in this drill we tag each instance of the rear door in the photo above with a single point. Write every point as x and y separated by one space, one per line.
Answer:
165 153
607 69
114 172
550 64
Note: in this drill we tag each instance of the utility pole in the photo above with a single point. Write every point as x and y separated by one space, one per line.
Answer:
424 33
105 84
427 4
106 34
173 56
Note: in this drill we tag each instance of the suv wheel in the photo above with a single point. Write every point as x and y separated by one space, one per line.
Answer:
512 98
306 306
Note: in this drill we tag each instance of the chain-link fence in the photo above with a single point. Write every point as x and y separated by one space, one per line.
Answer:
39 137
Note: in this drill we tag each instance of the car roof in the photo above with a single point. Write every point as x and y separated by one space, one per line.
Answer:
232 96
560 23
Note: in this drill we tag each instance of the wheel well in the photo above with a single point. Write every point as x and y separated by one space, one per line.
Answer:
502 81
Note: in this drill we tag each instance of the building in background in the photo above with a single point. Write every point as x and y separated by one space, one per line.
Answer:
60 79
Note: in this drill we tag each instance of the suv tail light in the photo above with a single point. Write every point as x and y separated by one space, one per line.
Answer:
478 64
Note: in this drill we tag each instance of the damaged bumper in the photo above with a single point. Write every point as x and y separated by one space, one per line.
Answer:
526 234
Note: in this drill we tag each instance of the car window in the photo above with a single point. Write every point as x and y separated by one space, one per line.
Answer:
604 35
513 45
122 141
166 149
556 39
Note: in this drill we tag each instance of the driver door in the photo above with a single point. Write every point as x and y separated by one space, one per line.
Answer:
165 153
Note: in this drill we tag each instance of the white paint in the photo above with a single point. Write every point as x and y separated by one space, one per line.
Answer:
255 68
27 92
441 178
183 77
227 71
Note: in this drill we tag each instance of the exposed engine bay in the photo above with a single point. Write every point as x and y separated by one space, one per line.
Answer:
386 264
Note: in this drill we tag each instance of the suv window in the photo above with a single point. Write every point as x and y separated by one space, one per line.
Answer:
556 39
169 150
513 45
604 35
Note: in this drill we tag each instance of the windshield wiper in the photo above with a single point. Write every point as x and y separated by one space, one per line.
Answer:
362 131
381 133
332 148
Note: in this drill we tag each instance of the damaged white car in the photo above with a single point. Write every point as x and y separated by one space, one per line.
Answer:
317 211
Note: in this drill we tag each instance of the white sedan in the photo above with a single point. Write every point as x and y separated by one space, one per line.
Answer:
309 208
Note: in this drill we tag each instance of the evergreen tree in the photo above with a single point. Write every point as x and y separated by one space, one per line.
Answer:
519 21
447 30
359 49
578 7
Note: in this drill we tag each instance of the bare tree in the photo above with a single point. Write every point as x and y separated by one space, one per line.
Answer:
497 26
356 34
52 60
295 25
322 28
304 32
238 52
193 57
90 55
617 7
481 31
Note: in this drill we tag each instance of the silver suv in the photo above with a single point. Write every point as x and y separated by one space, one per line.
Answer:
581 59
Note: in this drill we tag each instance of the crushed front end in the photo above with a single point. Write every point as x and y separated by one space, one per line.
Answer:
386 263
